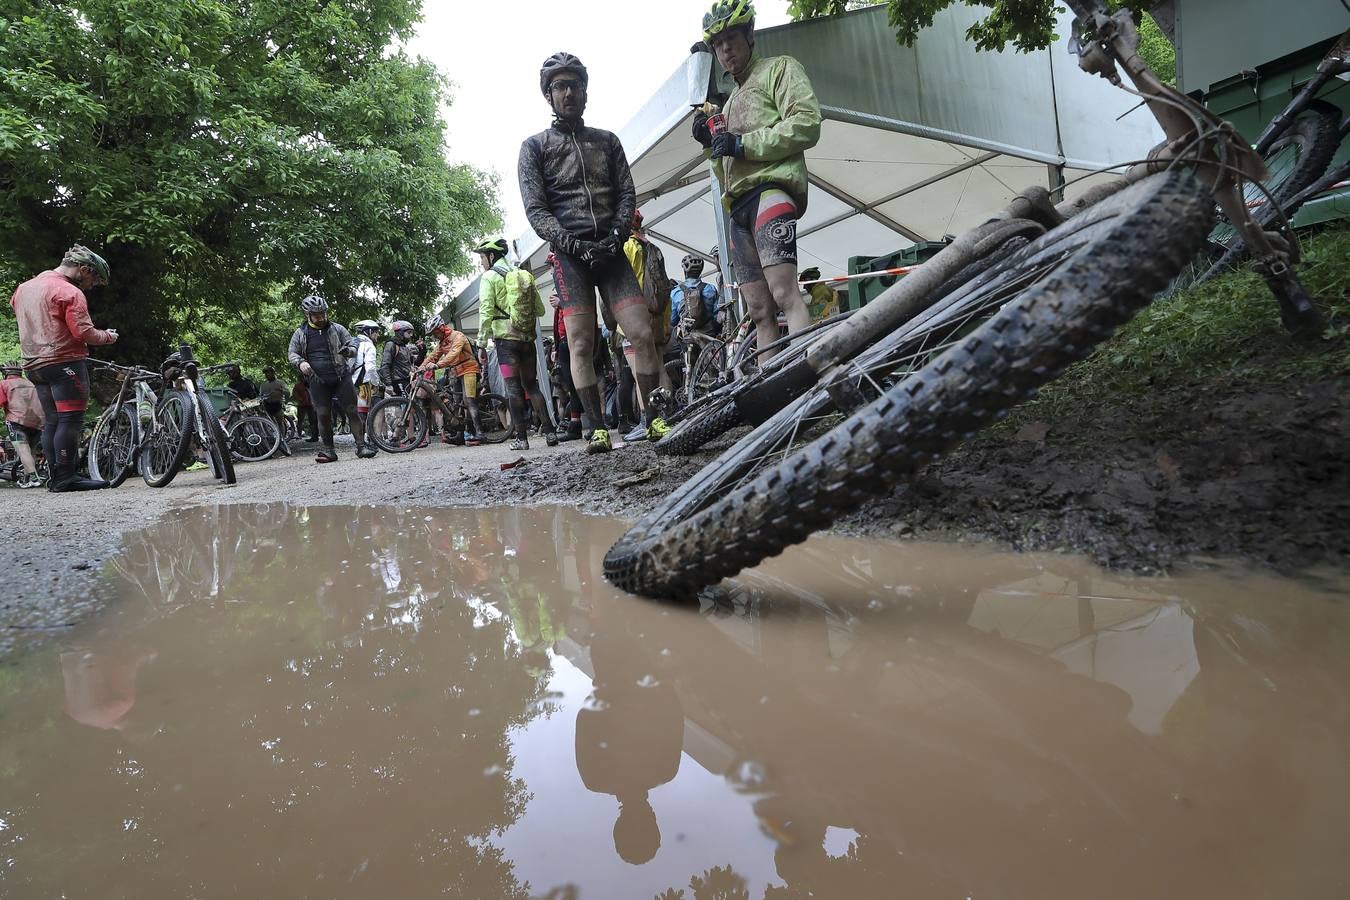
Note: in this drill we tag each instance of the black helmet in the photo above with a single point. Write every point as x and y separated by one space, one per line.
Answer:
692 264
555 65
314 304
494 245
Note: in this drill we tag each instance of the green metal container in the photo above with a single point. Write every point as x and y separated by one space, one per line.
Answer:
1247 58
863 290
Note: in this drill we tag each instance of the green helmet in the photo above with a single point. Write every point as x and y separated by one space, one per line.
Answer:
495 245
728 14
80 255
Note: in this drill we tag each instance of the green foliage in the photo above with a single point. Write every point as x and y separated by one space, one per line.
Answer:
1025 24
1156 50
1226 328
215 149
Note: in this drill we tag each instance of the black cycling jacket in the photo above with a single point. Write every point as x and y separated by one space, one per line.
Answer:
576 179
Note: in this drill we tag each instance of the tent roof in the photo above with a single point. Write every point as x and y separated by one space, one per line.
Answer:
916 142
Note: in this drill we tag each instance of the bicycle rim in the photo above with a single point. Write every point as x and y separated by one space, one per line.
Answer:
396 424
112 446
165 446
254 438
494 413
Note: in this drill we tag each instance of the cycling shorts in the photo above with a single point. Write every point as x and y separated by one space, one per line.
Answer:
66 383
576 283
763 232
22 434
517 360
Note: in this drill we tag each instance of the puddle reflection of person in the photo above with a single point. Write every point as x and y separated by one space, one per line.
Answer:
629 737
100 685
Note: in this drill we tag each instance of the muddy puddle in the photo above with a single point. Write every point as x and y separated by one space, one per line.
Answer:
374 702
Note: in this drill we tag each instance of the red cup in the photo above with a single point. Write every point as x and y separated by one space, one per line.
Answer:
717 123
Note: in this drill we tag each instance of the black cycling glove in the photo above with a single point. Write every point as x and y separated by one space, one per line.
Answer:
727 144
701 132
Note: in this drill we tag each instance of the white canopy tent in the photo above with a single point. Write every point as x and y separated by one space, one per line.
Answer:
916 142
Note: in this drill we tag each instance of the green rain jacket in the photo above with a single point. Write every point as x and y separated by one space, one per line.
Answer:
508 309
778 117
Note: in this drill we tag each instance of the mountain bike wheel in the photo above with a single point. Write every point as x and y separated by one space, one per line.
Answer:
253 438
705 374
112 444
494 414
396 424
217 442
1094 272
165 448
1295 161
718 412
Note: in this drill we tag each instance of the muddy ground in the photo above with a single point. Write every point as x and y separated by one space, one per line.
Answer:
1217 470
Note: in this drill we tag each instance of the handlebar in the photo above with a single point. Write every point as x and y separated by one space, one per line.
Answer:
134 372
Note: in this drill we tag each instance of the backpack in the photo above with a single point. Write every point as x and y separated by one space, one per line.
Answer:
524 306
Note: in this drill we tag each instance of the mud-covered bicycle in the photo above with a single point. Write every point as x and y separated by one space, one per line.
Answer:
849 412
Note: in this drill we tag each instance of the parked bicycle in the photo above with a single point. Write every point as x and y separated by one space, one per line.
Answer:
187 413
135 431
400 424
253 435
847 413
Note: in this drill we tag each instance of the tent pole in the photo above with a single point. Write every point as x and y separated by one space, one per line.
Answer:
723 223
1056 183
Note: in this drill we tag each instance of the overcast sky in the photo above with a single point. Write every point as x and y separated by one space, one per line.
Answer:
492 53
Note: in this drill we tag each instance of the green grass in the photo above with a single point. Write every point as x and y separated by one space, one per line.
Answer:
1227 329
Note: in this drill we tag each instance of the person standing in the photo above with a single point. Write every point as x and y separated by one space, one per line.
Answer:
509 307
396 362
242 386
771 119
366 367
273 394
55 332
455 352
305 419
319 349
693 302
579 196
23 416
569 429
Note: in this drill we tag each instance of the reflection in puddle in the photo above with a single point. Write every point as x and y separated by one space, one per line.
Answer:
406 702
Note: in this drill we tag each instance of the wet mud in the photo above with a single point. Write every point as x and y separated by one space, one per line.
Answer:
1254 473
411 701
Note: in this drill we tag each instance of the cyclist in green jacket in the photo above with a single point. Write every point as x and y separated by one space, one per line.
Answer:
771 119
509 307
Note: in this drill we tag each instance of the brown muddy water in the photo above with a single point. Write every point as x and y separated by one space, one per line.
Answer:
375 702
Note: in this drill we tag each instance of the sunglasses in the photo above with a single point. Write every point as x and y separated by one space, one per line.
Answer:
562 85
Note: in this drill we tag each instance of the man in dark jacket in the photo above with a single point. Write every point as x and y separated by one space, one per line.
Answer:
396 363
579 196
319 349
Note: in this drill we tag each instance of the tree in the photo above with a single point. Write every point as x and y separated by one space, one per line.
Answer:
1025 24
214 150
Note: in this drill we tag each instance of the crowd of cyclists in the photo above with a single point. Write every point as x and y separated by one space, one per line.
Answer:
580 198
